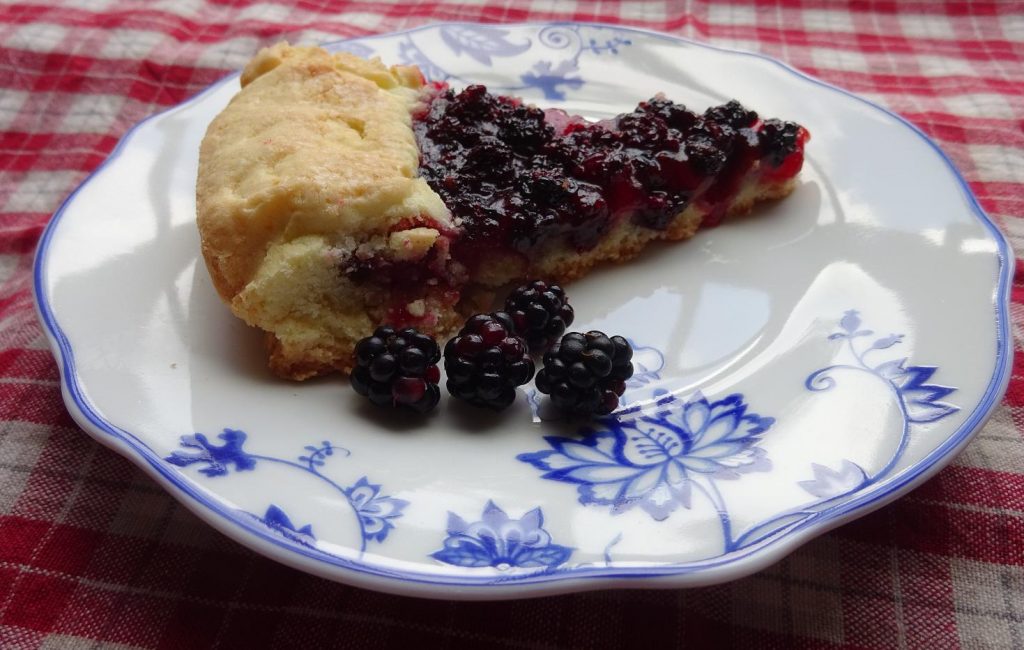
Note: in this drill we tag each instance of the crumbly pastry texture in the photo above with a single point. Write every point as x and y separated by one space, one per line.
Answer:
313 161
320 209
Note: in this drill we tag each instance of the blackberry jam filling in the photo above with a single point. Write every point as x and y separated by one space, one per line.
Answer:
516 177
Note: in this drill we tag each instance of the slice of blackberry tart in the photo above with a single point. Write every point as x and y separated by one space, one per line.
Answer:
336 194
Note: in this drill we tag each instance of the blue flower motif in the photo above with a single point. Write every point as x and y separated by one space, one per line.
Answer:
278 521
217 458
375 511
548 78
498 541
648 461
921 401
481 42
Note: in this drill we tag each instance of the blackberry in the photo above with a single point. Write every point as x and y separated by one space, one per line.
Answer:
778 140
675 115
486 361
540 313
660 209
704 154
398 369
585 374
642 130
732 113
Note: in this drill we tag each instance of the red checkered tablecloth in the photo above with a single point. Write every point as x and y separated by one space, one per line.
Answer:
94 554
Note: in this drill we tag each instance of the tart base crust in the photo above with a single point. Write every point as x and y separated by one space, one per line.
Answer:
311 353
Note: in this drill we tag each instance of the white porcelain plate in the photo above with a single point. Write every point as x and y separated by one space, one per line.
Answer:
795 368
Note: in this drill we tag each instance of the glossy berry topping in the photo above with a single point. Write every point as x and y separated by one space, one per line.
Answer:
516 177
487 361
732 114
540 312
780 140
585 374
398 369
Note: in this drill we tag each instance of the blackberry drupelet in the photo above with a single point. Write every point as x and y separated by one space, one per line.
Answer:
779 139
486 361
398 369
540 312
732 113
585 374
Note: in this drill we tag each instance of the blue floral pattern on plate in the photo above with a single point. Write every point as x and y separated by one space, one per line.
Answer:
217 459
652 455
552 62
276 520
656 460
648 461
919 402
376 512
481 42
497 540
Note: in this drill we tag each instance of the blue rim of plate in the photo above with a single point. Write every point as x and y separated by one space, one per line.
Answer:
363 573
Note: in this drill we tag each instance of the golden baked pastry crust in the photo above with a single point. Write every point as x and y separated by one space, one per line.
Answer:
314 157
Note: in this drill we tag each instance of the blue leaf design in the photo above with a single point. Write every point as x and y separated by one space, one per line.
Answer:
886 342
828 483
464 552
276 519
376 512
914 384
920 402
548 79
481 42
547 556
921 399
277 516
922 412
217 458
